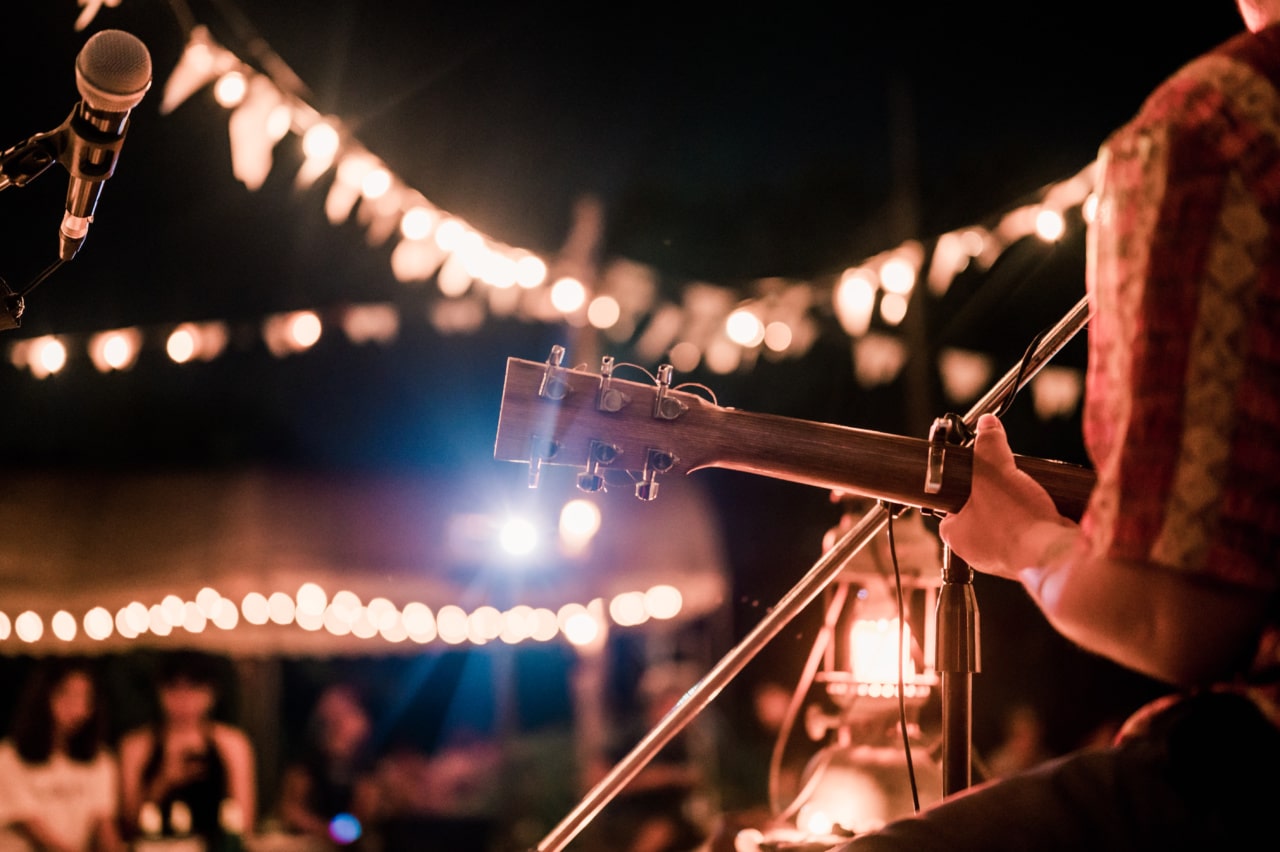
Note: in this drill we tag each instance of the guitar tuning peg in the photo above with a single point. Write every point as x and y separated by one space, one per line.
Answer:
540 450
609 398
656 462
592 480
666 407
553 387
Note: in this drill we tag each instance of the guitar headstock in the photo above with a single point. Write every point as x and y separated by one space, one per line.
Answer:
617 431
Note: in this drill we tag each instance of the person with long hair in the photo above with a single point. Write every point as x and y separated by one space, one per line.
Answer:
331 782
196 772
57 773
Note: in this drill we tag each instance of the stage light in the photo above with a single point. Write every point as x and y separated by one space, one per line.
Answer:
518 537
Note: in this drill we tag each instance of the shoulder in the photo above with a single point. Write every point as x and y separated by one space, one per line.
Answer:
136 742
231 740
9 753
104 765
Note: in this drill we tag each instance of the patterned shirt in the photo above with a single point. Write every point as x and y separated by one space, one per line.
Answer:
1182 419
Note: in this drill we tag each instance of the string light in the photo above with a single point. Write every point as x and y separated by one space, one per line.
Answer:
262 114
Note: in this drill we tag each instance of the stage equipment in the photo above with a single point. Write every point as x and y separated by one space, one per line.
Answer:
629 433
113 72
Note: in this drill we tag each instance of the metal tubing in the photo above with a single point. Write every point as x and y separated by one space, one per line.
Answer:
822 574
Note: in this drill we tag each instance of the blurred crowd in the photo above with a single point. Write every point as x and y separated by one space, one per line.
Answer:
176 773
187 780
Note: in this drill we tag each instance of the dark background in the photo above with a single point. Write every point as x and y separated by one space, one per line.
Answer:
785 142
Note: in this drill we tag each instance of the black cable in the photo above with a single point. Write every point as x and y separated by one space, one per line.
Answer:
1023 364
49 270
902 700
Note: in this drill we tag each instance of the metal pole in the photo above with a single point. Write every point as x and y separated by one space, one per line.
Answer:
957 609
821 575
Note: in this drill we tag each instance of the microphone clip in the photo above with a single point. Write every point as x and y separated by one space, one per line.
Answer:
11 307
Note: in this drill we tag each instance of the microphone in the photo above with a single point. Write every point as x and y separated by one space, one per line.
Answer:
113 72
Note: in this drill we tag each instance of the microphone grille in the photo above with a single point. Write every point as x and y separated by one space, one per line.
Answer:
113 71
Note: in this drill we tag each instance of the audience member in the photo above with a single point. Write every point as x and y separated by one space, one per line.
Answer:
197 771
57 776
333 776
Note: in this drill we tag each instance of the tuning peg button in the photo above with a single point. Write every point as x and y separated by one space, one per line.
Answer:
590 482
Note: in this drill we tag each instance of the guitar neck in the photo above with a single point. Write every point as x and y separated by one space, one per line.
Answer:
874 464
560 416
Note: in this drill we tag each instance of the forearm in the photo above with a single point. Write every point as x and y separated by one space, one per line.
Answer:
1164 624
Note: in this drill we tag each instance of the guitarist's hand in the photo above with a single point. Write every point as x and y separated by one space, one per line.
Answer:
1009 521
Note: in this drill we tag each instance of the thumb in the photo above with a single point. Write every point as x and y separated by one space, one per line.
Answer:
992 444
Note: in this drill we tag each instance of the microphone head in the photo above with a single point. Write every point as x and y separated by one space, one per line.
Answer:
113 71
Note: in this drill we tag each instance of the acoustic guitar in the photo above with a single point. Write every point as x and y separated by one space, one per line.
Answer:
638 434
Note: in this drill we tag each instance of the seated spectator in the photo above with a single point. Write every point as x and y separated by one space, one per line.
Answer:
197 772
57 776
333 776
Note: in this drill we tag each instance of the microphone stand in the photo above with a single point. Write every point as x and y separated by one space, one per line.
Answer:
957 609
19 165
956 599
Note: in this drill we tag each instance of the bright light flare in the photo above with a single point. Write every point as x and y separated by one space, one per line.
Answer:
874 645
778 336
855 300
898 275
320 142
663 601
418 222
518 536
63 625
744 328
45 356
579 522
530 271
568 295
893 308
115 350
29 626
1050 225
230 89
97 623
604 312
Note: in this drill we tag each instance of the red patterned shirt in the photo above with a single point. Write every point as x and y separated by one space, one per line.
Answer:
1182 418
